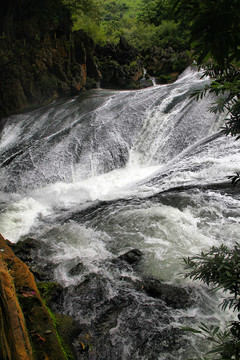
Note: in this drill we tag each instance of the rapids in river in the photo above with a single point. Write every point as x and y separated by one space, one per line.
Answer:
97 175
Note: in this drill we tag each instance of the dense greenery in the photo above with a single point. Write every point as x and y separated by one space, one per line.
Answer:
143 23
86 15
220 267
215 28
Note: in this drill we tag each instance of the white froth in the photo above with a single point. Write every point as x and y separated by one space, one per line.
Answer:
18 218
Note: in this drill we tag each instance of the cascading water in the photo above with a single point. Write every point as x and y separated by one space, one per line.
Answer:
95 176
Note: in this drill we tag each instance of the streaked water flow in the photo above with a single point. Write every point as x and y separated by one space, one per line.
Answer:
105 172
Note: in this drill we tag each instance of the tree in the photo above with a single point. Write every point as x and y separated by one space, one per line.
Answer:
215 29
220 267
86 15
89 7
155 11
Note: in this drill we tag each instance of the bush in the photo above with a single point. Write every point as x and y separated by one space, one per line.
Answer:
220 267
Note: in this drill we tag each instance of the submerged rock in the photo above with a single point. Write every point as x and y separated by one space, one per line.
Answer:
76 270
132 256
174 296
123 321
23 249
27 250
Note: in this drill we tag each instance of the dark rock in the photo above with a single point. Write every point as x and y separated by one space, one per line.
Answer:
146 83
52 293
76 270
132 256
28 251
123 52
165 64
112 318
175 296
23 249
120 65
26 19
40 58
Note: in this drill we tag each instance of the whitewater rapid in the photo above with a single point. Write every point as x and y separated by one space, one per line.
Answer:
96 175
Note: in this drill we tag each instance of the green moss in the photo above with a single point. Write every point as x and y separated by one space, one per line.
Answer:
48 290
61 323
58 324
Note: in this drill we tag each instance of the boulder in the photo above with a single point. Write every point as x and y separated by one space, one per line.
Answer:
174 296
76 270
132 256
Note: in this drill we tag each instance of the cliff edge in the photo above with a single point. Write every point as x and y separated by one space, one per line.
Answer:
40 57
27 327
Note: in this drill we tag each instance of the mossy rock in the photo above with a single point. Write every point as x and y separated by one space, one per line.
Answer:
68 330
51 292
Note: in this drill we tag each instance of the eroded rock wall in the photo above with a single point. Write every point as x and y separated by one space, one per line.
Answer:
40 57
27 329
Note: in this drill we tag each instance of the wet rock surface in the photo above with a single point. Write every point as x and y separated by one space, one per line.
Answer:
28 330
132 256
165 64
27 250
129 311
120 65
174 296
40 57
119 313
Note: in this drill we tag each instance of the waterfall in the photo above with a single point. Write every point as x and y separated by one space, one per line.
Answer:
102 173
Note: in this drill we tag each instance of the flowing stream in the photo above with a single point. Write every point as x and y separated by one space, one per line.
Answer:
97 175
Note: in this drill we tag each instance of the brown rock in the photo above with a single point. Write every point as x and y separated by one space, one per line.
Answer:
23 312
14 340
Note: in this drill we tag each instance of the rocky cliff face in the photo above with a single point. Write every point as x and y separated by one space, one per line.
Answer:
120 65
40 57
165 64
27 328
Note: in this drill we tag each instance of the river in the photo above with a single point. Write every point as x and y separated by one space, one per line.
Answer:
97 175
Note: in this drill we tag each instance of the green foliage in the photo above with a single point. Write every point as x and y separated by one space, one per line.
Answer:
141 36
155 11
86 15
143 24
215 28
86 7
118 18
225 343
168 34
93 29
219 267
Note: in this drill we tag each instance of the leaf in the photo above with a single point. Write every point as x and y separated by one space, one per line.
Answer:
195 331
216 350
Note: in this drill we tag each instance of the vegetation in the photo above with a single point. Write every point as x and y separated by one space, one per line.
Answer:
142 23
214 35
214 28
220 267
86 15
